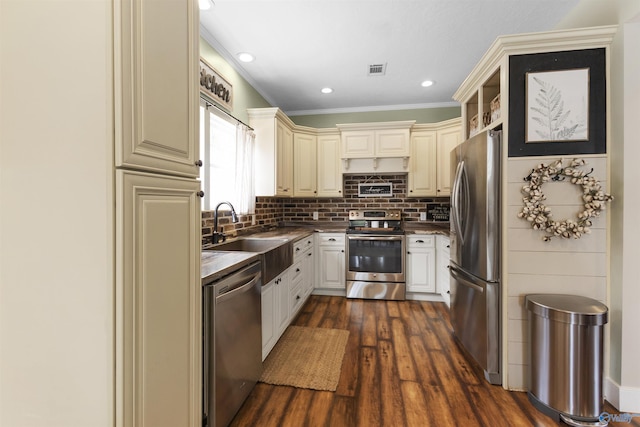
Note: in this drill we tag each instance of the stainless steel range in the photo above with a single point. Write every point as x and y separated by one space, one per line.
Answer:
375 255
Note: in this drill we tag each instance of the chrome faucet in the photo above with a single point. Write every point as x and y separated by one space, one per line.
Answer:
221 237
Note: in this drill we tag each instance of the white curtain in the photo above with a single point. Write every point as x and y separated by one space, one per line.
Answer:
245 187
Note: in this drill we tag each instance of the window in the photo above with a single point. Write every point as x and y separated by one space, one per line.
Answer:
227 152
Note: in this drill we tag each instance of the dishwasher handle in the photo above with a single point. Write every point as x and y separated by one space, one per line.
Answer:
225 295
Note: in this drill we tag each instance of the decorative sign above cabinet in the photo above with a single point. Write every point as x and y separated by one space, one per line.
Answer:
375 190
214 86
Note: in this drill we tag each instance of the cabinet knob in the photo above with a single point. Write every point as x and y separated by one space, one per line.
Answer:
410 191
339 191
309 254
297 297
297 270
297 249
408 253
448 246
332 239
199 163
200 193
342 251
448 292
419 241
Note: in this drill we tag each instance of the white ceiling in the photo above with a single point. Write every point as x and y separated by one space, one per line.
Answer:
302 46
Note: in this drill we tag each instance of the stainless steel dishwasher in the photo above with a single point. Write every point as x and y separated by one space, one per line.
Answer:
232 343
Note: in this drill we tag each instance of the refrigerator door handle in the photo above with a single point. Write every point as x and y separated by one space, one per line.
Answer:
455 201
464 279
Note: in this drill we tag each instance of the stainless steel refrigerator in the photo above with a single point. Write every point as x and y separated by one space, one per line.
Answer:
475 250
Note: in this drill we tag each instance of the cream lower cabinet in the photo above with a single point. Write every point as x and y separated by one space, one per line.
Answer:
421 264
157 301
330 252
442 267
301 274
275 311
283 297
268 318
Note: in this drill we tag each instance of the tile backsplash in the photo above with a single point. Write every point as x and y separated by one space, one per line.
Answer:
273 210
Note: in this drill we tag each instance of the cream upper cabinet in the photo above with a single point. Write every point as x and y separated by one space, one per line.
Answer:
284 162
429 165
158 300
358 144
392 143
156 89
304 165
448 138
329 182
423 164
371 140
273 151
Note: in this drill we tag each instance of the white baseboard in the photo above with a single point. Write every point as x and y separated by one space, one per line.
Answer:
424 297
624 399
612 392
329 292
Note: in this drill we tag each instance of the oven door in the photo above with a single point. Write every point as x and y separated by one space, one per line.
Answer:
375 258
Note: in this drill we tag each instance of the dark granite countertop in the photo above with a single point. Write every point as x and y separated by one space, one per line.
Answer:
415 227
215 265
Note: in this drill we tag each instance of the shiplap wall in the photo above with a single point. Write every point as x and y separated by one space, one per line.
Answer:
560 266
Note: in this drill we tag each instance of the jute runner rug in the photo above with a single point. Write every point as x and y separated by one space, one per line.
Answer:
306 358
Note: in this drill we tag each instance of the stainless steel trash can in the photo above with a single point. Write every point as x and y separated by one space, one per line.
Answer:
566 357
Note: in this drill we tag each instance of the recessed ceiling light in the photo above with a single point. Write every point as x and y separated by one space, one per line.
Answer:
245 57
427 83
326 90
205 4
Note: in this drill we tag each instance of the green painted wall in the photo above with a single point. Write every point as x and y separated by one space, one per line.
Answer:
245 96
423 115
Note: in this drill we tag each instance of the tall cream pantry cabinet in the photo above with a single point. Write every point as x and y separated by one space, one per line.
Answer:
158 293
99 254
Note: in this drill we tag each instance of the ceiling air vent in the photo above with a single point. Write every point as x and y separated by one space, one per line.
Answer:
377 69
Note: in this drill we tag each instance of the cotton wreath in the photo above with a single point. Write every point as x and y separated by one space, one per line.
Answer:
539 215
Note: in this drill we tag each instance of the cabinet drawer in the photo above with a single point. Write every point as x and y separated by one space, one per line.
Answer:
443 244
302 245
421 241
326 239
297 270
296 296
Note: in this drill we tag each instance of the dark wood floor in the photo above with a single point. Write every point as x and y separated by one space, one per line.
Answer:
402 367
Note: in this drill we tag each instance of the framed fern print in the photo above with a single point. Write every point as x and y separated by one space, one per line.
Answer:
557 103
557 106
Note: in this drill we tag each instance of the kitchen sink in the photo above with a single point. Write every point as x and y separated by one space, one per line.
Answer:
250 245
276 255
